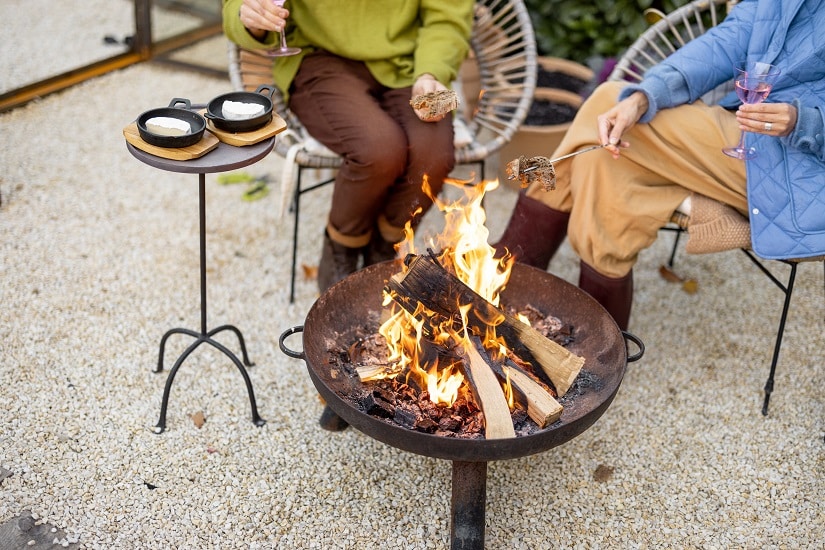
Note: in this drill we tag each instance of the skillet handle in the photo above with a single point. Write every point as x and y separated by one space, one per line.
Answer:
289 332
636 340
186 103
269 89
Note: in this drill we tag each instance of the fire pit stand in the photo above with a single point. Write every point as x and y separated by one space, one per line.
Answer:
330 324
468 505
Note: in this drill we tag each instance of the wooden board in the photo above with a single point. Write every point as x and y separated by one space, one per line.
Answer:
239 139
206 144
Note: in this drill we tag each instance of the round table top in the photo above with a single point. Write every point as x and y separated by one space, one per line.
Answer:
222 158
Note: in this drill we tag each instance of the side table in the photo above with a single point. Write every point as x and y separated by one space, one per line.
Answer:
223 158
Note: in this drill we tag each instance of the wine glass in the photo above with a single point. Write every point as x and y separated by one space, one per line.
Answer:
283 49
753 82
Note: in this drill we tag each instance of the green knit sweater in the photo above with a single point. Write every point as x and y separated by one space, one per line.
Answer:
398 40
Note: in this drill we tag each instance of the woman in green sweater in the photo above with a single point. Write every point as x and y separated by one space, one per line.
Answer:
361 62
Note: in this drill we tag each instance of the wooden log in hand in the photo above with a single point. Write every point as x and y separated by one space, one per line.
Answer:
427 282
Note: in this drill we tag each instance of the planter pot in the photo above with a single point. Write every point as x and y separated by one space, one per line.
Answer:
555 72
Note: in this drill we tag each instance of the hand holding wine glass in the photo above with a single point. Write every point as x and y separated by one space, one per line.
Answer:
753 82
283 49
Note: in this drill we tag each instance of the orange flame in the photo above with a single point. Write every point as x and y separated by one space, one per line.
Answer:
466 253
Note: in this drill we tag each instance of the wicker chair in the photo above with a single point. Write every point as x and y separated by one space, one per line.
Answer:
665 36
504 53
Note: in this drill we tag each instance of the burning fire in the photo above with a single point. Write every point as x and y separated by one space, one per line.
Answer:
466 253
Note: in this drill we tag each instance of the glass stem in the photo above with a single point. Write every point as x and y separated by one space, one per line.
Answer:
741 145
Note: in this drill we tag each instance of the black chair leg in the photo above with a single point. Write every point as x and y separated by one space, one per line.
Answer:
787 288
296 211
788 292
677 235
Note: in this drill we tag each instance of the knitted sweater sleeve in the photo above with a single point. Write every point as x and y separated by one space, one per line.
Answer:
443 38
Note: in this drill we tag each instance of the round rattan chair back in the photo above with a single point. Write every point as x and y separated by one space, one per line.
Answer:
669 33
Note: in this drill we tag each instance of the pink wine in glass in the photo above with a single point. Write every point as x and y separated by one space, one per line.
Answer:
753 82
758 94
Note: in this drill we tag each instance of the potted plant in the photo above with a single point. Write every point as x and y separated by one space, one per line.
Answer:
588 31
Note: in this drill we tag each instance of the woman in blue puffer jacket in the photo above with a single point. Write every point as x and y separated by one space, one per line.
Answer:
663 150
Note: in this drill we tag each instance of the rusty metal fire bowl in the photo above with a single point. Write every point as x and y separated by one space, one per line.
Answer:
355 303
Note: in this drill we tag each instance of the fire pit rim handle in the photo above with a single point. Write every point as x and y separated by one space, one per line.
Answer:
286 334
636 340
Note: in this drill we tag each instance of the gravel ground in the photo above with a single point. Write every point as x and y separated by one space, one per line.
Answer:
99 257
52 38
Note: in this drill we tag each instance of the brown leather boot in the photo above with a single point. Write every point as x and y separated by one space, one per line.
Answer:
615 295
337 261
534 233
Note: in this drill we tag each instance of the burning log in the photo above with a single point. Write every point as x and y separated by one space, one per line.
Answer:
428 283
371 372
498 424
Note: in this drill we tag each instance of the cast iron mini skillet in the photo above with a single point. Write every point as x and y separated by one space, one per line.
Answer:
214 110
195 121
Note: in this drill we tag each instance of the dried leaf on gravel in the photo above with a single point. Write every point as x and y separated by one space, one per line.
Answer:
688 285
199 419
310 271
669 275
603 472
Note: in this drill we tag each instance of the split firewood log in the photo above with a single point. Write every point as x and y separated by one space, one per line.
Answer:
498 424
542 407
429 283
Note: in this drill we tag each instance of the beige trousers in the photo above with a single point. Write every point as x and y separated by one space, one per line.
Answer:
618 206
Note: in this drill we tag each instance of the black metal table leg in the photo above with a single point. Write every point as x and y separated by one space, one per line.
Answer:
204 336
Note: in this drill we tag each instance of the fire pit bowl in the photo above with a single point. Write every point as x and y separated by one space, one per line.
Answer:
356 302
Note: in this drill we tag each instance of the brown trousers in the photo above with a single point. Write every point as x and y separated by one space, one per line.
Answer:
386 149
618 206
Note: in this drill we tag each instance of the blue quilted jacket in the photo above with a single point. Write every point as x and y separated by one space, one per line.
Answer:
786 180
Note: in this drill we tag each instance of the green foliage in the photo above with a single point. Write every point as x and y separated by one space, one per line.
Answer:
578 30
